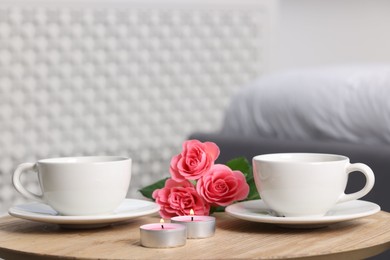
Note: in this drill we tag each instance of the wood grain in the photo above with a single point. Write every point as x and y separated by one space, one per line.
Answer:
234 239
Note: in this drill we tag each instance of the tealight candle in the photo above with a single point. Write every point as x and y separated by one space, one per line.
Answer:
197 226
163 235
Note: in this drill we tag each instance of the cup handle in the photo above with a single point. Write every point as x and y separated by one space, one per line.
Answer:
370 180
18 185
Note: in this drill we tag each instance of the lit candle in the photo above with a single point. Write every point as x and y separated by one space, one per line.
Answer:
197 226
163 235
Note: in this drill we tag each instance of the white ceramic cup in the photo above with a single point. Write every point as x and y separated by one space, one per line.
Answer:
306 184
77 186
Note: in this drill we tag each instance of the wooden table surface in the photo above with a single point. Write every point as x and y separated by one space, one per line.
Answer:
234 239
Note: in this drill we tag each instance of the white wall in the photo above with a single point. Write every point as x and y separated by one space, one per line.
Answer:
318 32
120 77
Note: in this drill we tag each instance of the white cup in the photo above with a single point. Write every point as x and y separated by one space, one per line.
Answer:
76 186
306 184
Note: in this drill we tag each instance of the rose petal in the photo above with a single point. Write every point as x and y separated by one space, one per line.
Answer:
178 198
221 186
212 150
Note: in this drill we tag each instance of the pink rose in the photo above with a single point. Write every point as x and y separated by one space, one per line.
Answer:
178 198
221 186
195 159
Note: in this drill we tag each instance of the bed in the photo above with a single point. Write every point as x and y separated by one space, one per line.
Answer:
339 109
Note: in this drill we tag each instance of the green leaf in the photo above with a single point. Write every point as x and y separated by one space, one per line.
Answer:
242 164
148 190
217 209
253 194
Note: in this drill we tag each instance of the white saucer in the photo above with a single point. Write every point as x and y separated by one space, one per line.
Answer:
129 209
257 211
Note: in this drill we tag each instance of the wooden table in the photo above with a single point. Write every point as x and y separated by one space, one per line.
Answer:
234 239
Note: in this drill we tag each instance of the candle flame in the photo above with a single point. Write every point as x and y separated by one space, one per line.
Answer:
192 212
162 223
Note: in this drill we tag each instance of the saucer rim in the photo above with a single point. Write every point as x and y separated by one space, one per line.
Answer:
237 210
20 211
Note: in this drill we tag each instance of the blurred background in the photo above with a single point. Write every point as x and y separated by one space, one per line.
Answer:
131 78
136 78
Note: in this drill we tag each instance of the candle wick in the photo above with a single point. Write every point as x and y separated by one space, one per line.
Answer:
192 218
162 226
